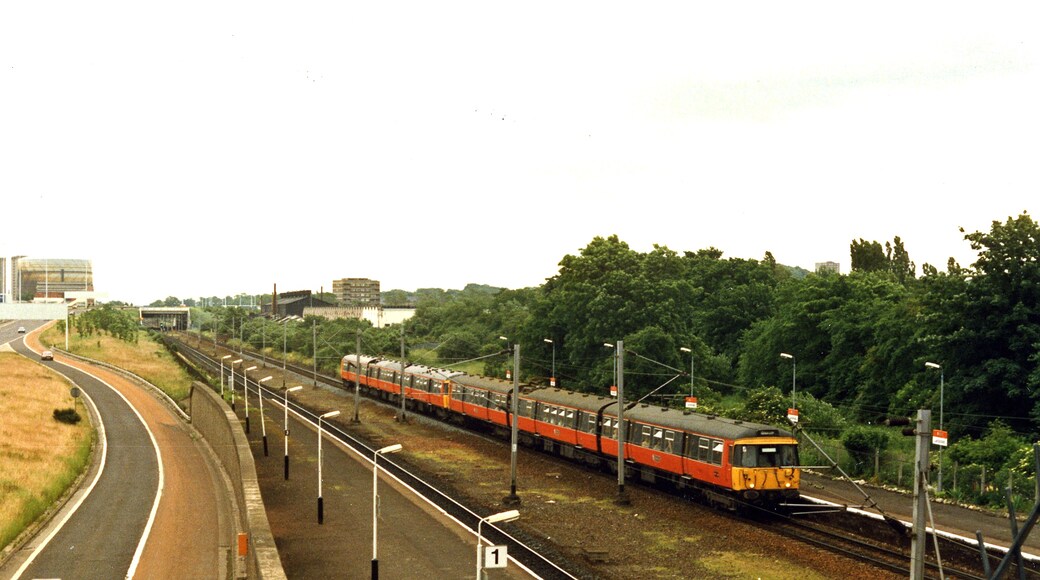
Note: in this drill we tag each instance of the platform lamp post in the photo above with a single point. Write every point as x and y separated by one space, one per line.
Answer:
552 378
227 356
375 508
245 393
492 519
689 350
285 422
260 395
233 363
321 503
794 366
942 380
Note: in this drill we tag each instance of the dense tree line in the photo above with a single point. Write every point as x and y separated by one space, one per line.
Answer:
860 341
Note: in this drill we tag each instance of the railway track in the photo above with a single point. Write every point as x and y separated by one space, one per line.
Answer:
831 536
528 557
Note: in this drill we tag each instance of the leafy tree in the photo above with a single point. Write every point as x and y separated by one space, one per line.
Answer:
993 450
765 405
867 256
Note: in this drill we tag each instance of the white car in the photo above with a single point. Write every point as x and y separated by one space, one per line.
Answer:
47 355
21 330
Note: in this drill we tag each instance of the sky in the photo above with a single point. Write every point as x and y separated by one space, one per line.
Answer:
214 148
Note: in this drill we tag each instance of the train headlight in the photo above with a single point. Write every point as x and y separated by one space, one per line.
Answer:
751 485
788 484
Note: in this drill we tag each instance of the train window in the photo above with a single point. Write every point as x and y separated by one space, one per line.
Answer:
658 437
647 436
570 418
703 450
526 408
669 441
590 426
610 427
716 451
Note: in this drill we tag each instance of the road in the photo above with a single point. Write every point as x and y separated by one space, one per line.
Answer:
152 504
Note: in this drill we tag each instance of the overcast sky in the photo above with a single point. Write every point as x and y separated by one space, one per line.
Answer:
211 148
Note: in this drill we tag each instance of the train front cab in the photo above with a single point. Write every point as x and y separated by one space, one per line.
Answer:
764 469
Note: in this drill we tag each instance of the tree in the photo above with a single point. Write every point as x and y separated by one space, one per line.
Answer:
867 256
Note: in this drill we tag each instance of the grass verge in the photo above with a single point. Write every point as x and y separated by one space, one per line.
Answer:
147 358
40 457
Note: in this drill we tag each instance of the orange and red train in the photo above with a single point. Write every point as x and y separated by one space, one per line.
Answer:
726 460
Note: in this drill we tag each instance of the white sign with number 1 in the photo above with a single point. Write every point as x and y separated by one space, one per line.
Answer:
495 557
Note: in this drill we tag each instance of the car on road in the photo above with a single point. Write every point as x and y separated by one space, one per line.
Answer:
47 355
21 330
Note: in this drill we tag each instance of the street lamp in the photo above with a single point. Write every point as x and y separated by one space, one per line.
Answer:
260 394
492 519
552 379
375 470
684 349
321 503
245 393
233 363
222 374
285 421
942 380
794 366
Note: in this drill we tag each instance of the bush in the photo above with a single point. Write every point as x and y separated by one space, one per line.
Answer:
69 416
862 442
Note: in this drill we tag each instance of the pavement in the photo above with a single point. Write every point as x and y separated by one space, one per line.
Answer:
414 540
950 518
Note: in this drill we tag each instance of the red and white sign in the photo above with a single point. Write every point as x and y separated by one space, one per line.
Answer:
552 381
792 415
691 402
939 437
613 391
509 374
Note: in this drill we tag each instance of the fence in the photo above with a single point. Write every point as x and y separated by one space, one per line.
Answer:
894 468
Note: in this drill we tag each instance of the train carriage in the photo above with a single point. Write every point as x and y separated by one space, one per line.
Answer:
483 398
725 459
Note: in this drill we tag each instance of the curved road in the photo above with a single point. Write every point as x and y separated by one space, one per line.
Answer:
144 512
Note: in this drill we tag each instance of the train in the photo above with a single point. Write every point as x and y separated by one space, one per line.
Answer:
726 461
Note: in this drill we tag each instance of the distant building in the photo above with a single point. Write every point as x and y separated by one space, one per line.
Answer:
356 291
378 316
294 304
47 279
828 267
3 280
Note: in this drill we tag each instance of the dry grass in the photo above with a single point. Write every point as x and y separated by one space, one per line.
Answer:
39 457
146 359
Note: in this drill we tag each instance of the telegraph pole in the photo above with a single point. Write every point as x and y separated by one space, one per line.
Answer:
512 499
619 360
923 432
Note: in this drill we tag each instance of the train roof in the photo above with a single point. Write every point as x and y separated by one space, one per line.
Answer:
365 359
433 372
699 422
489 383
663 416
